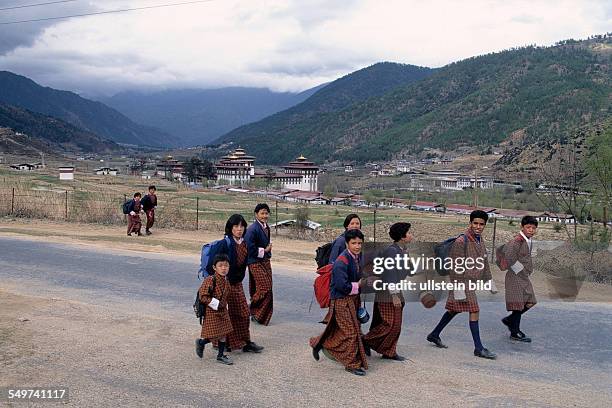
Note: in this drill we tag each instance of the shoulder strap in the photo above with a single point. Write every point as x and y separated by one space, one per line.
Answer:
343 259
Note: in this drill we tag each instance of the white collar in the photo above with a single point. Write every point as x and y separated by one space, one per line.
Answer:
526 239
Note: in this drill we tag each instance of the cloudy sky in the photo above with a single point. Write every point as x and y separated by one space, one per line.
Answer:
286 45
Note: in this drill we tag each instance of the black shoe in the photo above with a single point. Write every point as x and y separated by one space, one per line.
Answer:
396 357
436 341
251 347
138 234
199 343
485 353
357 371
315 352
129 234
518 337
506 322
368 350
254 319
147 232
225 360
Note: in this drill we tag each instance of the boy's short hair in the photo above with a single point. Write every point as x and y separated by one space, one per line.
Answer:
137 194
220 258
350 218
261 206
529 220
152 188
479 214
352 234
399 230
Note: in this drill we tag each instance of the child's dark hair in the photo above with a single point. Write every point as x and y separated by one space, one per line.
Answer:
152 188
137 195
220 258
399 230
235 219
479 214
350 218
352 234
261 206
529 220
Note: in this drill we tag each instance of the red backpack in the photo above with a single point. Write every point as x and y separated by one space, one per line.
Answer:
321 285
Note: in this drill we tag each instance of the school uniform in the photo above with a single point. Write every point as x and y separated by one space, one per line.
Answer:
386 323
257 238
338 247
134 222
149 202
216 324
236 302
475 248
519 290
342 334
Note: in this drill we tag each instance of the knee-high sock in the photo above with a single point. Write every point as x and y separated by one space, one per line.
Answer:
221 348
476 335
515 322
446 318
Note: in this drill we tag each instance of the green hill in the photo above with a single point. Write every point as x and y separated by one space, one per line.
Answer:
51 134
545 91
94 117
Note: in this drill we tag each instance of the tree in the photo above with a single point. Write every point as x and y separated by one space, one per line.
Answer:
301 214
599 168
196 169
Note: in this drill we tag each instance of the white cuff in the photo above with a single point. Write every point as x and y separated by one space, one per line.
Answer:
517 267
261 252
493 287
459 294
214 304
132 213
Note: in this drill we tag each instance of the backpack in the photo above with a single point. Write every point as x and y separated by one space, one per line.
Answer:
208 252
442 251
322 255
321 285
500 258
126 207
199 308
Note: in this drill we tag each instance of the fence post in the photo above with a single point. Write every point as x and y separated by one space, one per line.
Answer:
197 213
276 215
13 202
66 205
493 243
375 208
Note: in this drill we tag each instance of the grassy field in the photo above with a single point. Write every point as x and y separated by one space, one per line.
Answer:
98 199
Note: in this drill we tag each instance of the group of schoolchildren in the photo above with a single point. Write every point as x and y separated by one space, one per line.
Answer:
141 205
226 321
227 315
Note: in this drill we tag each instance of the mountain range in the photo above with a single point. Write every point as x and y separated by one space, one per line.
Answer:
543 92
198 116
90 116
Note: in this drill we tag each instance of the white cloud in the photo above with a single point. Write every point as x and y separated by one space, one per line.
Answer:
281 44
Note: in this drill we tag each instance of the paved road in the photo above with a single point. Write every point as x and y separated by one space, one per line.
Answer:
572 345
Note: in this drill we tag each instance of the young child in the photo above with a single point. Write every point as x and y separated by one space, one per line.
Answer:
342 336
214 293
259 246
149 204
134 208
520 296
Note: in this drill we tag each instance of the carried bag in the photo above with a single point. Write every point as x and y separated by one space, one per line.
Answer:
321 285
442 251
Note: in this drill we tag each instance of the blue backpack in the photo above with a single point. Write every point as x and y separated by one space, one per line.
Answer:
442 251
208 252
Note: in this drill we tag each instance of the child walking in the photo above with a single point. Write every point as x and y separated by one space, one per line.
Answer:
216 324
